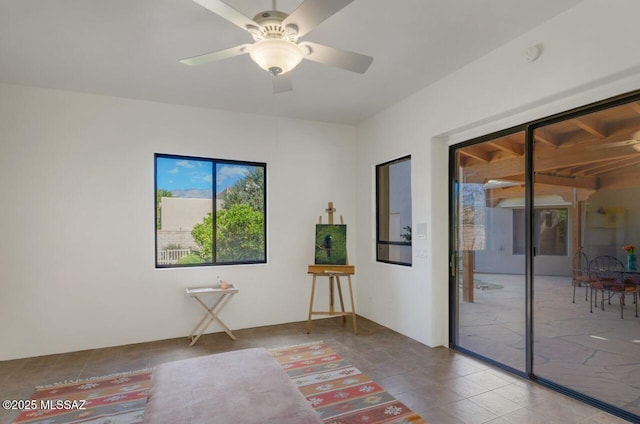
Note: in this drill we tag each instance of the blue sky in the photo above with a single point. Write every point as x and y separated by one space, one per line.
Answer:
174 173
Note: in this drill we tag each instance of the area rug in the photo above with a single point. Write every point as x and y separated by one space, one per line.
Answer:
114 399
339 392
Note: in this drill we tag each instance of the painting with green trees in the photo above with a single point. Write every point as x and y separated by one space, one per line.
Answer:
331 244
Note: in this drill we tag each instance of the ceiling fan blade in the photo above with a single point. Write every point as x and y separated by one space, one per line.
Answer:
229 13
350 61
282 84
217 55
312 12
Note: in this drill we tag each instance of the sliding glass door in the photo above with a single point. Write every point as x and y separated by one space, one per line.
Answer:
489 250
545 226
587 209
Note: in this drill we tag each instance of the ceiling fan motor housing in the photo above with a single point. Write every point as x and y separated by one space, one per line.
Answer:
276 49
271 23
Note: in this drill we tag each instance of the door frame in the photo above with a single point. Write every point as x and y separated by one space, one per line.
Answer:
528 128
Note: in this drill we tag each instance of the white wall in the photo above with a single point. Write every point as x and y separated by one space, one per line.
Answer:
498 256
588 55
76 271
600 239
77 217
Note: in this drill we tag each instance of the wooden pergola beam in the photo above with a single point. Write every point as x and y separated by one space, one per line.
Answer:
507 146
495 195
589 183
482 157
626 163
591 126
623 179
546 137
584 169
617 132
571 156
635 106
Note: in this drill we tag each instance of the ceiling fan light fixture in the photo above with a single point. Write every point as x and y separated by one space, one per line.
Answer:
276 56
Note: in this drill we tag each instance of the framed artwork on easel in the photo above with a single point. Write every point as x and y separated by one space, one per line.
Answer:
331 244
331 261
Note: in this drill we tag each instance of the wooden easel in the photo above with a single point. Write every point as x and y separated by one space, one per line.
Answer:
334 272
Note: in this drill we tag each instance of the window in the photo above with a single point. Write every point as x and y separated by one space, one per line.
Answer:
549 231
209 211
393 211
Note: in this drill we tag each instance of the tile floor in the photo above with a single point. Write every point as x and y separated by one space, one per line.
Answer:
442 385
593 353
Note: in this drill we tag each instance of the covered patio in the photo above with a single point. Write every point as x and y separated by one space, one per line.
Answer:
596 353
585 185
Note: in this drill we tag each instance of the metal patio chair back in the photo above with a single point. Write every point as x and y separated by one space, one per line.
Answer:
604 271
580 276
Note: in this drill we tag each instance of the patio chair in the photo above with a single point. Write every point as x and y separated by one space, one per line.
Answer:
604 272
580 276
629 285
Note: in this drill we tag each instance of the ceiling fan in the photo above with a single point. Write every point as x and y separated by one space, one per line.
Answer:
276 48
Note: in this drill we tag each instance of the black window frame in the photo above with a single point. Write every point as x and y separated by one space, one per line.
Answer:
214 162
379 241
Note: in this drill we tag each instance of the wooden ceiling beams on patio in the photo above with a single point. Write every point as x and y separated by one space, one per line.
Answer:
596 151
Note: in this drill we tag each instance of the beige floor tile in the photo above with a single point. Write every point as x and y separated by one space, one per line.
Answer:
470 412
444 386
495 403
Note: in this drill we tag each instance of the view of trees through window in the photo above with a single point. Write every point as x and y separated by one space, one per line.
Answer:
209 211
550 231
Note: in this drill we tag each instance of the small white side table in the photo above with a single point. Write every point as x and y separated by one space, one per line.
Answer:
211 314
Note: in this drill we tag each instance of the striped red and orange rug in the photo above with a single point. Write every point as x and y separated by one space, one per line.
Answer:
118 399
338 391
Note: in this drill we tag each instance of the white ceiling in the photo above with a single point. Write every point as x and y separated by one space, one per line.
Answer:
131 48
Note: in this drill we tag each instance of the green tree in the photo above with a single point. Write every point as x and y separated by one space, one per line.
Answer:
249 190
203 235
240 234
239 224
160 193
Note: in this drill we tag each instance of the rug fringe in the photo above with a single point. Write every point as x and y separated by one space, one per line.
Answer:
296 345
88 379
